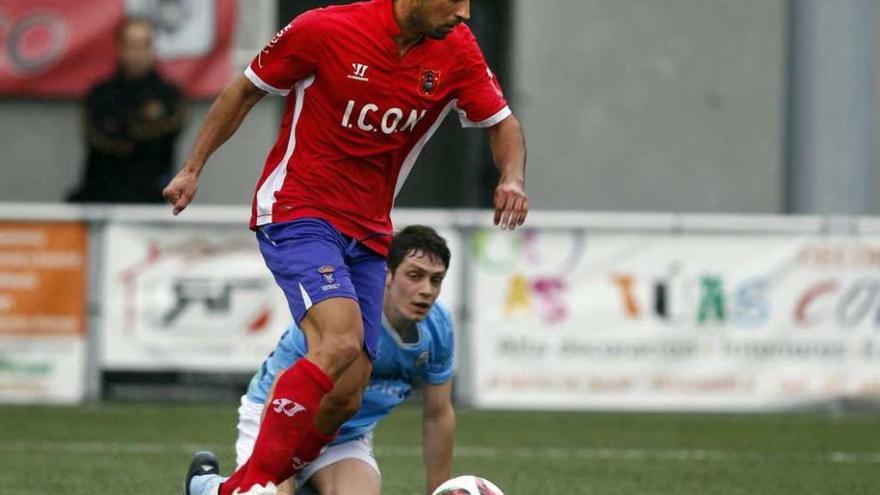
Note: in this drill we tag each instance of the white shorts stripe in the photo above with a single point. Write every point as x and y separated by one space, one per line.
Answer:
307 301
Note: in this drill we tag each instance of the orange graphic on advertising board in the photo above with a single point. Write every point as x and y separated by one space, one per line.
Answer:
43 278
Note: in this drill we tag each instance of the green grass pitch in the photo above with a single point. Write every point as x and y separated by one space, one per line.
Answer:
145 449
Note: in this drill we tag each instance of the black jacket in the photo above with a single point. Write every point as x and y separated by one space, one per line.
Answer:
130 130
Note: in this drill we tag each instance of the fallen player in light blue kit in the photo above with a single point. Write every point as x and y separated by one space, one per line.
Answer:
417 344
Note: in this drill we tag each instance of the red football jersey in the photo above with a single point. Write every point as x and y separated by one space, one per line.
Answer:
358 114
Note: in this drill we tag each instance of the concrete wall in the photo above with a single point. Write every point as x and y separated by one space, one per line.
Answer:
41 150
43 156
627 105
652 105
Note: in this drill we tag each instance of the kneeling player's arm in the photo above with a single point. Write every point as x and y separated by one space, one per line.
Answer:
438 433
223 119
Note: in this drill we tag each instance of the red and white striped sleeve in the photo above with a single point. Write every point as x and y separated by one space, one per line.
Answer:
481 101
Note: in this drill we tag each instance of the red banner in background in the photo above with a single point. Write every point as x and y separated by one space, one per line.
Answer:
61 48
194 41
56 47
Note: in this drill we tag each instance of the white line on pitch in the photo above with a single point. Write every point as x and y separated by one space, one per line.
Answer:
610 454
680 455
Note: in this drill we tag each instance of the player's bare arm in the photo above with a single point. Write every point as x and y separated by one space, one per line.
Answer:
508 146
223 119
438 433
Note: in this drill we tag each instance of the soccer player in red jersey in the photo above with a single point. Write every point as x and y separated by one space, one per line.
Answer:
367 84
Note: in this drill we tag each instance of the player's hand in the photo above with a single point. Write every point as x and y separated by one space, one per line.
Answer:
181 190
511 204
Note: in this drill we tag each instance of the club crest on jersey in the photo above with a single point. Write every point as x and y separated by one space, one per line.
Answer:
422 360
429 81
327 271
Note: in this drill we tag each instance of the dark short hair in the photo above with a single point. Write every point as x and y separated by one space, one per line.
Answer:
417 238
131 21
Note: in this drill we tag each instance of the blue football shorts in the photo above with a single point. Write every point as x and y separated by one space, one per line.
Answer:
312 262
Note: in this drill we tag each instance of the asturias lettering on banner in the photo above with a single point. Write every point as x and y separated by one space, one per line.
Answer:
660 321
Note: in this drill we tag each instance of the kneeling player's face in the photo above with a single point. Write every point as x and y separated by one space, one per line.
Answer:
439 17
415 285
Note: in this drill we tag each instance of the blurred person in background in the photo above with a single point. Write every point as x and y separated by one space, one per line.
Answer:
417 344
131 123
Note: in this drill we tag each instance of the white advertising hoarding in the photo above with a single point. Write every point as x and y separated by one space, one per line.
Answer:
197 297
188 297
43 288
564 318
42 370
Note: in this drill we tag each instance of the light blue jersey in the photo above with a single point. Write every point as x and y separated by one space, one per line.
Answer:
396 368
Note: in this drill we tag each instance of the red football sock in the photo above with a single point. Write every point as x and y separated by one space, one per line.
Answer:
235 480
310 448
290 415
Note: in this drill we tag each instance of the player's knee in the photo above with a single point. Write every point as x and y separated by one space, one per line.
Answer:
340 342
342 349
